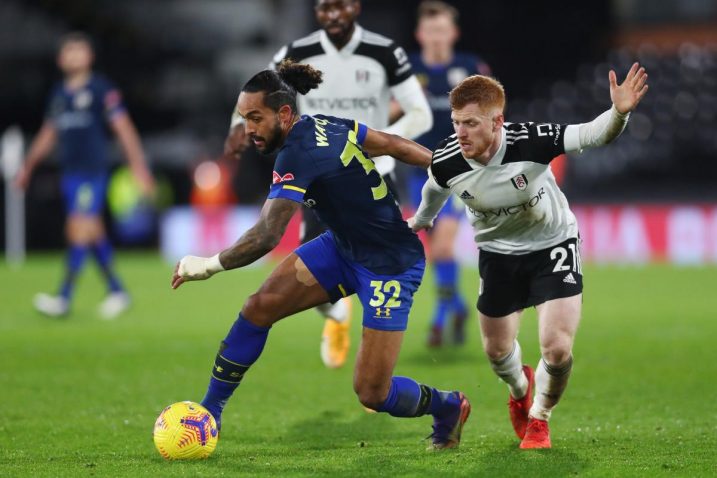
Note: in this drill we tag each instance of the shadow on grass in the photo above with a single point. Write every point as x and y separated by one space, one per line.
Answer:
511 461
449 355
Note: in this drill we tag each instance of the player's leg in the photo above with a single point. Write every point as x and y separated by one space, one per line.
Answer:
449 301
78 197
335 339
378 389
558 321
387 301
502 297
556 289
309 276
117 299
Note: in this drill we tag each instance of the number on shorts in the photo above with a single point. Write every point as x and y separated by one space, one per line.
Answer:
560 254
381 289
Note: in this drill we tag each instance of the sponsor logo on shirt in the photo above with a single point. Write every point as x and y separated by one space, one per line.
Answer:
510 210
348 104
278 178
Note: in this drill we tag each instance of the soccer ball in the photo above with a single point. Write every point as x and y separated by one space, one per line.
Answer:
185 431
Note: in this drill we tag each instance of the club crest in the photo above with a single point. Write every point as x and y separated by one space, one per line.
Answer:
520 182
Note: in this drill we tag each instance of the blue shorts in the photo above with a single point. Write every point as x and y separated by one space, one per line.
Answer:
386 299
453 208
84 194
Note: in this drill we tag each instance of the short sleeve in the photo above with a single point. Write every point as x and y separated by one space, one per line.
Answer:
53 106
294 171
360 129
278 57
398 66
111 100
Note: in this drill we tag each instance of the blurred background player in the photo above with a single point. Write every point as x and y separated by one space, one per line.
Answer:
439 69
362 72
80 108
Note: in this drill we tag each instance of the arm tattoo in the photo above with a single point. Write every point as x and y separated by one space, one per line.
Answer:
263 237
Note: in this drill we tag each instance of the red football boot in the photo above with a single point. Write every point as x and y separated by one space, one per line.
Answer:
537 435
519 409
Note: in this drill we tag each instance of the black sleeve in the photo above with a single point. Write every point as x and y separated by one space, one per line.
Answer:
447 161
392 57
536 142
398 67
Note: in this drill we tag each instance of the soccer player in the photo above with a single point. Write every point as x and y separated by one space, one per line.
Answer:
79 110
439 68
362 71
527 235
368 249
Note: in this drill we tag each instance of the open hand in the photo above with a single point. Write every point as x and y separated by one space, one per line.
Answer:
627 95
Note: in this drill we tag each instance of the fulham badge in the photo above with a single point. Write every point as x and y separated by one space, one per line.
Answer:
520 182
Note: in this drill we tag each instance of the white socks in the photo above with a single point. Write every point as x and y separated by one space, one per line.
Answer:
338 311
510 370
550 383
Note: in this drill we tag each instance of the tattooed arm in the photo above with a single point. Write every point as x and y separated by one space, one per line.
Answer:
252 245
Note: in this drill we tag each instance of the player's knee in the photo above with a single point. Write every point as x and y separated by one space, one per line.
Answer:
371 395
496 350
257 311
557 352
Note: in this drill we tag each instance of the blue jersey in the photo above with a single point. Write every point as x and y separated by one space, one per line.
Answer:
321 164
80 118
437 82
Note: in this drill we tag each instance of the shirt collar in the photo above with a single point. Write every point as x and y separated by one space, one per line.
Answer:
348 49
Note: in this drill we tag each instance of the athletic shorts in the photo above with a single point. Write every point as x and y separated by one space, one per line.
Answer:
386 299
84 194
312 227
509 283
453 208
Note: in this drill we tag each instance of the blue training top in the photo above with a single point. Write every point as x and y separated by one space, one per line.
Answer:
321 164
80 117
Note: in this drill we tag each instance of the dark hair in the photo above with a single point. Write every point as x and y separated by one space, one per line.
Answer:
280 86
432 8
75 37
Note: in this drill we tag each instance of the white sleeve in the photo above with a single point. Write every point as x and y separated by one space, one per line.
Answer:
276 59
417 117
433 197
602 130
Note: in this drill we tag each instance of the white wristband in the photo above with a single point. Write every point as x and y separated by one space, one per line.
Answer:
214 265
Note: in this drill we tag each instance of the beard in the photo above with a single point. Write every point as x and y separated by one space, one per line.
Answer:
272 142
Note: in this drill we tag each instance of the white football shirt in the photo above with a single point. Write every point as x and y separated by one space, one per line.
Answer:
358 81
513 202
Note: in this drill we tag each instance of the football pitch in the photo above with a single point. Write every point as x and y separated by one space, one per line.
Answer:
80 395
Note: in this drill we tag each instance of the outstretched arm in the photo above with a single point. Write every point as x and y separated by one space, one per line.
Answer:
610 124
378 143
252 245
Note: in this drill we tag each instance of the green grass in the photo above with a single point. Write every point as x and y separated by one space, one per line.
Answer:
79 396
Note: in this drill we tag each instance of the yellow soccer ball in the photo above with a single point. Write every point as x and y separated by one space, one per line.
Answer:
185 431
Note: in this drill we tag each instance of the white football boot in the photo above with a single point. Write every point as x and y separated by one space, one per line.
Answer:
114 304
51 305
